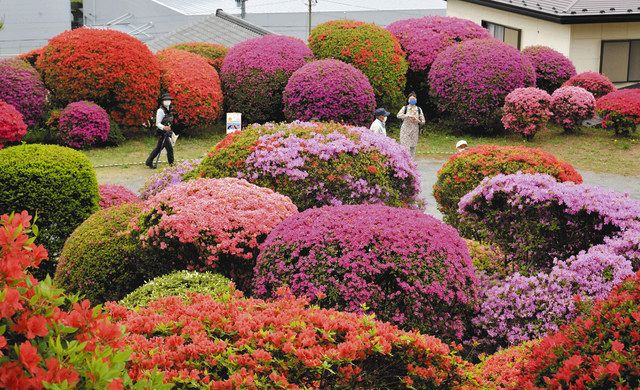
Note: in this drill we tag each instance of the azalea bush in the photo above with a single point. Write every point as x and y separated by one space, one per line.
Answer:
488 258
21 87
211 224
12 126
594 82
403 265
464 171
255 73
212 52
370 48
167 177
318 164
115 195
571 106
108 67
526 111
194 86
620 111
329 90
552 67
83 124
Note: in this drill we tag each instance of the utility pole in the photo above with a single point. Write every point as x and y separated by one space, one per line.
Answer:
310 3
243 8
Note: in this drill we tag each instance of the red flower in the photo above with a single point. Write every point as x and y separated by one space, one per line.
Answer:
29 356
372 169
36 326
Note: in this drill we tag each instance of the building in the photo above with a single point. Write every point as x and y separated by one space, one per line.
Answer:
598 35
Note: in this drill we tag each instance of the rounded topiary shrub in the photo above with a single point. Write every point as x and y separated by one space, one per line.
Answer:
317 164
370 48
212 224
526 111
83 124
179 284
194 85
571 106
212 52
18 63
329 90
620 111
21 87
464 171
552 67
108 67
55 183
594 82
470 81
12 126
255 73
403 265
101 260
168 177
115 195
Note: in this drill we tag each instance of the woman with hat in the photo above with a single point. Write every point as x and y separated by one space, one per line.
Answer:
379 125
164 118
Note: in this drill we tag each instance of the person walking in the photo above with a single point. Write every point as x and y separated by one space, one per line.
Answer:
412 118
164 119
379 124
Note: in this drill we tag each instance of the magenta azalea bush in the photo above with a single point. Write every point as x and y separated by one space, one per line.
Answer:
211 224
594 82
526 111
167 177
403 265
83 124
552 67
255 72
115 195
470 80
12 126
571 106
329 90
23 89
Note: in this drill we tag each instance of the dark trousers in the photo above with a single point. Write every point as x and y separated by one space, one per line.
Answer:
163 142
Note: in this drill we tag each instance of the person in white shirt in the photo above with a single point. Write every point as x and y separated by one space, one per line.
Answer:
379 125
164 118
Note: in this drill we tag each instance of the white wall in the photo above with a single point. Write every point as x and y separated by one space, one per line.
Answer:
587 40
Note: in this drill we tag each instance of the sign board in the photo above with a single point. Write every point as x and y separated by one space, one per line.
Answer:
234 122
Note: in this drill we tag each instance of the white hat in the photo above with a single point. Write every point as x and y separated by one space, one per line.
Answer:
460 143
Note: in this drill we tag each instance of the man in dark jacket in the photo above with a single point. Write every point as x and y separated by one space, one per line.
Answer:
164 119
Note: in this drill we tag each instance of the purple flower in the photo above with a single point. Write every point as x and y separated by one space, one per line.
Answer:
83 124
21 87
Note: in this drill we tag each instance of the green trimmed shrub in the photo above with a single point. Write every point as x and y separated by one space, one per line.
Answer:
212 52
55 183
179 284
101 259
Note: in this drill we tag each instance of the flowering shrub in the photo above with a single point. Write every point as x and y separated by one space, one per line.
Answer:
20 86
470 80
19 64
83 124
370 48
464 171
488 258
167 177
526 111
115 195
212 224
403 265
212 52
594 82
31 56
49 339
552 67
250 343
620 111
194 85
255 73
329 90
502 370
571 106
12 126
108 67
317 164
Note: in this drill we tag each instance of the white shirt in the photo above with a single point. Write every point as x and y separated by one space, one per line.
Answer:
378 127
159 118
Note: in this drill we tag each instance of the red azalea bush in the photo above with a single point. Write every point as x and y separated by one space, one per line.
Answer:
470 81
370 48
32 56
571 106
329 90
255 344
526 111
255 73
403 265
594 82
83 124
115 195
20 86
552 67
502 369
212 52
194 85
620 111
12 126
108 67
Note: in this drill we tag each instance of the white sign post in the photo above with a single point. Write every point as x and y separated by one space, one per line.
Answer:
234 122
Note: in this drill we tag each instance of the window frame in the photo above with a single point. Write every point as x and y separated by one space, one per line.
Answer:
603 42
484 24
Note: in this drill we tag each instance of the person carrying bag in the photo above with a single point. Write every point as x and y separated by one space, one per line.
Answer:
412 118
166 137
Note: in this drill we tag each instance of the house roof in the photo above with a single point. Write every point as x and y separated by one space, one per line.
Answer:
570 11
219 27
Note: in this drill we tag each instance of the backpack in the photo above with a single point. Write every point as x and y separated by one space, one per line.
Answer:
419 110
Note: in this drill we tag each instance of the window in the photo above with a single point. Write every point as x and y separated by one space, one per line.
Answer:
508 35
620 60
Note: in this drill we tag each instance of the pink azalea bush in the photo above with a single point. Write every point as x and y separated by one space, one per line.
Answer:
255 72
470 81
20 86
594 82
115 195
620 111
329 90
12 126
571 106
167 177
403 265
212 224
526 111
552 67
83 124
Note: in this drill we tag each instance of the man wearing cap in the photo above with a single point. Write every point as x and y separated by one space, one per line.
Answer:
379 125
461 145
164 118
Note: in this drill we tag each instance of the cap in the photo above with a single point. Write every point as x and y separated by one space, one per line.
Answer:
460 143
381 112
166 96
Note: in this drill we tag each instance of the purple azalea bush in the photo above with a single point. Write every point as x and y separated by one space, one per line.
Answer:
23 89
167 177
571 106
329 90
552 67
403 265
83 124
